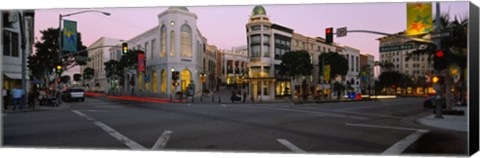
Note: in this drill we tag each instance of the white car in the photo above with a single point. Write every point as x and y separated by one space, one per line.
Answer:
74 94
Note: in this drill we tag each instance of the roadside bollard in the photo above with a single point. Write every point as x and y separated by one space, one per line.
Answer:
201 98
219 101
213 98
170 97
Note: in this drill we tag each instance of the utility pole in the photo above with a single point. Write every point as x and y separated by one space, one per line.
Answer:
438 90
22 46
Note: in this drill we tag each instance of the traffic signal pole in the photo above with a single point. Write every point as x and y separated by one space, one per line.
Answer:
438 87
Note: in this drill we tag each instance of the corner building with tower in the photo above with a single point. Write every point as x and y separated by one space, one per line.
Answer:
267 42
174 45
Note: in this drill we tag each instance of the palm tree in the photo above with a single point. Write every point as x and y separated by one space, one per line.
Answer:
388 66
456 48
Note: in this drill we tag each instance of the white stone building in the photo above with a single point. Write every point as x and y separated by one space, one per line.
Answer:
98 52
234 64
175 44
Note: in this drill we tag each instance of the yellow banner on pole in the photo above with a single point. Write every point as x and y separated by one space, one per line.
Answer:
419 18
326 73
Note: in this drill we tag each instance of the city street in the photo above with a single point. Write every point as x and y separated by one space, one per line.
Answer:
364 127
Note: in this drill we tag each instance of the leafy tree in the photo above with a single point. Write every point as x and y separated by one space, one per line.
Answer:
77 77
113 68
46 54
338 64
65 79
295 64
389 78
386 65
88 73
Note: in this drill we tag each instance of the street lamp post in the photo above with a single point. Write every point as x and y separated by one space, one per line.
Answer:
60 16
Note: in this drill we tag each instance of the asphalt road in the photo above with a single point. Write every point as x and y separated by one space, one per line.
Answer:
365 127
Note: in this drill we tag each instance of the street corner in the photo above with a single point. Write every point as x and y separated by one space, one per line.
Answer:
448 122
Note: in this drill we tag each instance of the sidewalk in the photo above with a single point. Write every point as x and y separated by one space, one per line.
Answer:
38 108
450 122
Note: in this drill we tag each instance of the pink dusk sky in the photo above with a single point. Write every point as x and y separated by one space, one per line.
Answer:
224 26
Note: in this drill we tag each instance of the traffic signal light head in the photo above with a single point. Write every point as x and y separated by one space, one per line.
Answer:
175 75
437 79
58 69
124 48
329 35
440 60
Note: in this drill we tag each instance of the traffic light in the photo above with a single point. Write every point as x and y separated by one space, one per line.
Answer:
440 60
175 75
329 35
124 48
438 79
58 69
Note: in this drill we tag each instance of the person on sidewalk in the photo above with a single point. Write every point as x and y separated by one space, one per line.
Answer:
5 94
17 97
244 96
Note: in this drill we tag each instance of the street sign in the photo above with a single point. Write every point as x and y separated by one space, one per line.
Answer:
342 32
82 58
435 35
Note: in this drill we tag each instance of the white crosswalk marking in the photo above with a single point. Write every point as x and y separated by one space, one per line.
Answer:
290 146
162 140
130 143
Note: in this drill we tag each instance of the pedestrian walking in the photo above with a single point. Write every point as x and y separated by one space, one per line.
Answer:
17 97
5 98
244 96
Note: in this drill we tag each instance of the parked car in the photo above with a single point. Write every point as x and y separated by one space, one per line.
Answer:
73 94
429 101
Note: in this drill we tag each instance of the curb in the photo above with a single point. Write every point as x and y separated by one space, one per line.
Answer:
422 122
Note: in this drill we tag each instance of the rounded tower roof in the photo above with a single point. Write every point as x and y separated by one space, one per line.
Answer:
259 10
178 7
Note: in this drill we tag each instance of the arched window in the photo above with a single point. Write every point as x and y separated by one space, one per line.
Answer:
164 82
163 41
154 81
185 77
172 43
186 41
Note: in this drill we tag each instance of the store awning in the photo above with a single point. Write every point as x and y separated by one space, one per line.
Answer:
17 76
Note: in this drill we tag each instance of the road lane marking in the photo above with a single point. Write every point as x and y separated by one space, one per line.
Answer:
130 143
290 146
314 112
368 114
387 127
189 104
96 110
162 140
403 144
223 105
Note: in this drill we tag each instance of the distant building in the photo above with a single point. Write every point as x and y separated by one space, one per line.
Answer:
395 50
10 44
234 64
366 74
98 55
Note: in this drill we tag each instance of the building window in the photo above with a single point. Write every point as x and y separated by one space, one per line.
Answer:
10 43
255 50
265 27
266 39
256 39
163 41
406 65
153 46
172 43
256 28
266 51
146 50
186 39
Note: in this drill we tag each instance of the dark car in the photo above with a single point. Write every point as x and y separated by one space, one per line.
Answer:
74 94
429 101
